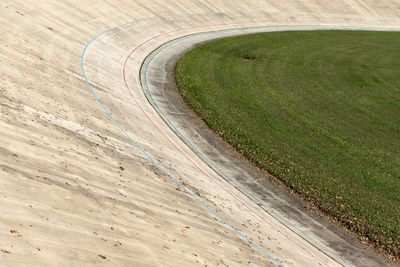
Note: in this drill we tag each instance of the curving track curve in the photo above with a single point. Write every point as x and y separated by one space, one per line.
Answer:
85 192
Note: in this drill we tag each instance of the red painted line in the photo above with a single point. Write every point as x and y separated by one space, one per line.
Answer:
183 153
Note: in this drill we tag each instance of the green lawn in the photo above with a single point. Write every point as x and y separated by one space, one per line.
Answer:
319 110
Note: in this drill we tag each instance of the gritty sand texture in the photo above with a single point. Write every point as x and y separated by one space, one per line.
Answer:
75 190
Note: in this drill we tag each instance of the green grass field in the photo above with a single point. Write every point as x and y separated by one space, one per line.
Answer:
319 110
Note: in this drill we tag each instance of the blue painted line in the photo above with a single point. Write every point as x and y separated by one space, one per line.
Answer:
209 161
147 156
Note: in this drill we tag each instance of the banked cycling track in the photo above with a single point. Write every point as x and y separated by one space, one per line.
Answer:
106 170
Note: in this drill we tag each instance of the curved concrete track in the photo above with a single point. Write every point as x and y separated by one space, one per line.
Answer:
104 180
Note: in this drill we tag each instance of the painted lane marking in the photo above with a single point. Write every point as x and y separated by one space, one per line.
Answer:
130 138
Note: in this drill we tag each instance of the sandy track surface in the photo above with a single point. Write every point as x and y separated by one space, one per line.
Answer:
76 189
